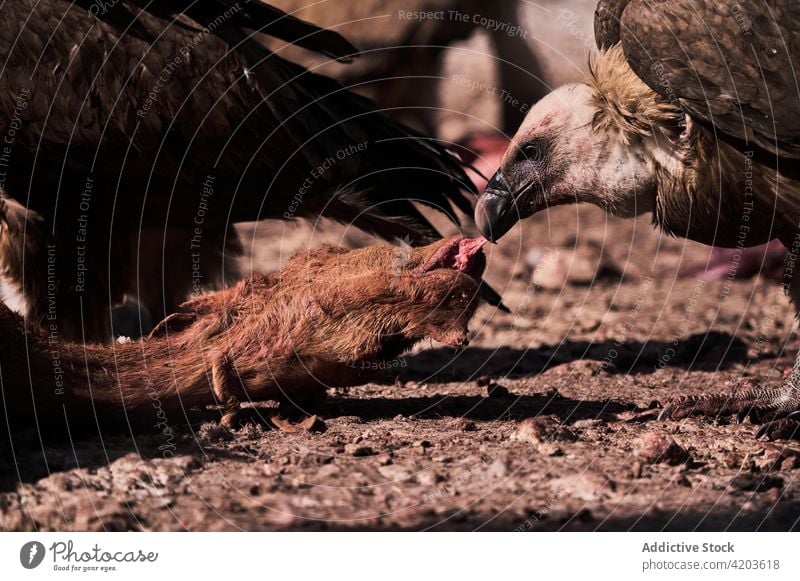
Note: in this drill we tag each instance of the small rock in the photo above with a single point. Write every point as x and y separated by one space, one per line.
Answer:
550 449
213 432
384 459
497 390
394 473
659 447
543 429
250 431
187 463
428 478
497 469
778 458
483 381
731 460
328 471
588 424
756 482
350 419
358 450
636 470
554 268
165 502
465 425
585 486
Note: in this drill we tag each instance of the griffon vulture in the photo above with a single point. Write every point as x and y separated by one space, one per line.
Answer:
134 133
691 113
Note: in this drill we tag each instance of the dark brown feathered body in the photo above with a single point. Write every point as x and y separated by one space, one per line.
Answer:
326 320
140 131
712 190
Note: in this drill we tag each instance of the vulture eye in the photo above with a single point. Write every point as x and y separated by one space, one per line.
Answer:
535 151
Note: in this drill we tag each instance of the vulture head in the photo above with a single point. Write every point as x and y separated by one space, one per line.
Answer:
589 142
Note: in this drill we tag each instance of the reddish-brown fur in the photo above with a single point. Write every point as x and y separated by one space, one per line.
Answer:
319 322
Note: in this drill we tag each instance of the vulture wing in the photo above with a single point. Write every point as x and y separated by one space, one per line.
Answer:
154 99
607 15
730 64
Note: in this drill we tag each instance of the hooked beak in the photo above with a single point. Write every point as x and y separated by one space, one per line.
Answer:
496 211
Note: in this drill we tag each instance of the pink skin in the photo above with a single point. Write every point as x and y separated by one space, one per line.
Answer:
458 253
765 260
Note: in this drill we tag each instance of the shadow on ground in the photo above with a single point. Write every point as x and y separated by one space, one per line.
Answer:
711 351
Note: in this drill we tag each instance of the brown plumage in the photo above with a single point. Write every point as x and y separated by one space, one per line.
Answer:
691 113
326 320
136 133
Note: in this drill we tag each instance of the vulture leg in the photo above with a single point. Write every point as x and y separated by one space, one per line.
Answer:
777 409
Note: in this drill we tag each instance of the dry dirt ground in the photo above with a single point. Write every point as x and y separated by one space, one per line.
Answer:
541 424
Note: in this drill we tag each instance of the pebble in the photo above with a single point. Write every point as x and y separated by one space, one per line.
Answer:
328 471
587 485
586 424
497 390
543 429
659 447
777 458
358 450
428 478
394 472
465 425
554 268
497 469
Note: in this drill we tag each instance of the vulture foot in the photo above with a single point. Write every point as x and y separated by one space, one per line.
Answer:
784 429
777 409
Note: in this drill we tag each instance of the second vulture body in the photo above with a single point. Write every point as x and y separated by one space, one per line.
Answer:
692 114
